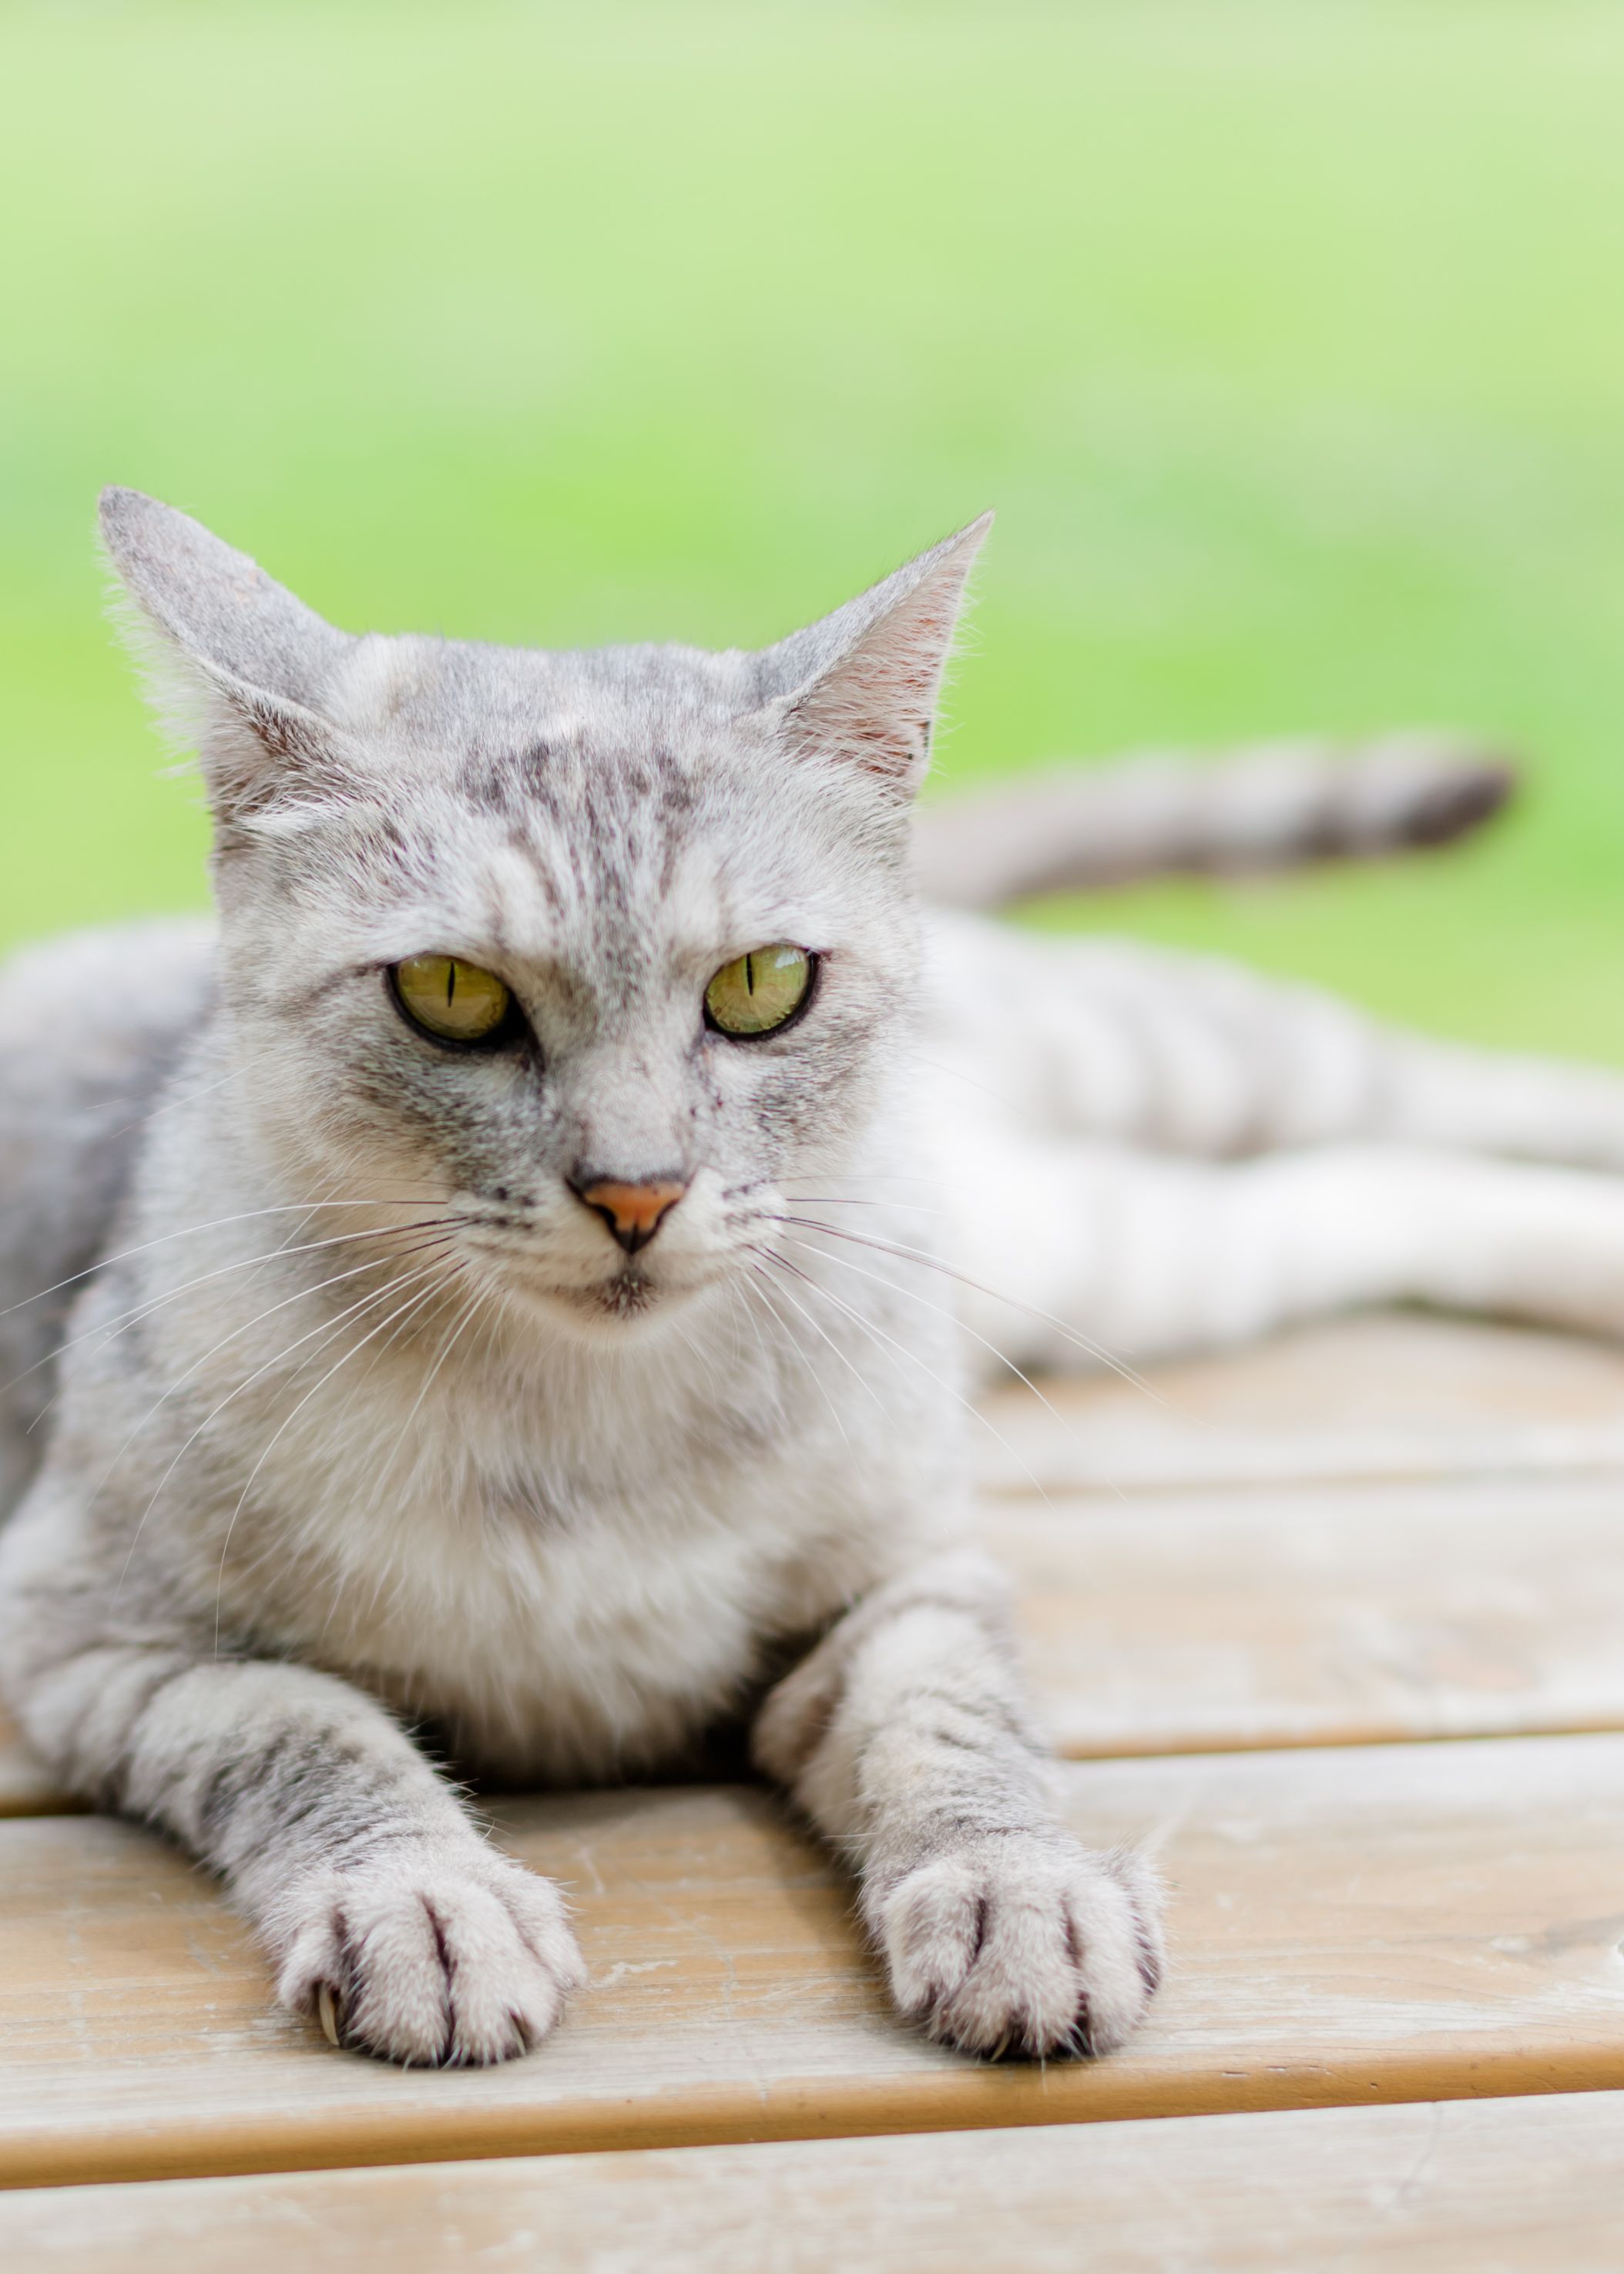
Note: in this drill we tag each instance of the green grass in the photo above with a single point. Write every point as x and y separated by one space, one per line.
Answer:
1286 337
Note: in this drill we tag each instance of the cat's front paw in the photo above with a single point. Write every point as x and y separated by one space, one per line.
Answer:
440 1956
1023 1944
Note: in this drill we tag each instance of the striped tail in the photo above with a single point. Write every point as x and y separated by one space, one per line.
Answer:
1078 828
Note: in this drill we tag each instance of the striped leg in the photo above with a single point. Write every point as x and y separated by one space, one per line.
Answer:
384 1911
904 1737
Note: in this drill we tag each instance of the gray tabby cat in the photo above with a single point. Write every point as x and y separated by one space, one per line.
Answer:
507 1311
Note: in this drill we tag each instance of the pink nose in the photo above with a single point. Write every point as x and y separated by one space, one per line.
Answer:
634 1213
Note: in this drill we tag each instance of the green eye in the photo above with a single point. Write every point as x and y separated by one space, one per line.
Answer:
452 1000
759 991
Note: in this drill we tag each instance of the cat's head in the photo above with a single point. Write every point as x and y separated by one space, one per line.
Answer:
603 954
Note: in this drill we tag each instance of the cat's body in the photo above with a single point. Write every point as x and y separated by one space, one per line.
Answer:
572 1558
380 1396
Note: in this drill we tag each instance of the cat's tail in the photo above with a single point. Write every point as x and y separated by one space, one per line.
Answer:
1077 828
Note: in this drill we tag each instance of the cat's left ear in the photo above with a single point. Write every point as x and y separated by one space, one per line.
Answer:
860 688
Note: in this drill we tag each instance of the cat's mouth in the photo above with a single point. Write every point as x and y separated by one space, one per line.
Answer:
621 1299
620 1304
635 1291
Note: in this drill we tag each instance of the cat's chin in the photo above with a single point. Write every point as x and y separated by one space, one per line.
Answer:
615 1310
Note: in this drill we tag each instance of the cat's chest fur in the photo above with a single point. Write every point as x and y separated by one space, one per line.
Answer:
565 1597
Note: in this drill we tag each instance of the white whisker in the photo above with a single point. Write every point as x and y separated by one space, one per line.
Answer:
759 1291
453 1335
330 1327
856 1374
122 1322
413 1303
929 1262
941 1311
879 1335
213 1223
828 1200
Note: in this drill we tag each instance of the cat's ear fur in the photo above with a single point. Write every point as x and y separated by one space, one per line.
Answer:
860 687
238 666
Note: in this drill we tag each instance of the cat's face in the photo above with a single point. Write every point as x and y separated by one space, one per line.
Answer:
601 875
598 961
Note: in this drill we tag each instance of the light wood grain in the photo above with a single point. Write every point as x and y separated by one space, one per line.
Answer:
1386 1394
1321 1615
1518 2187
1358 1925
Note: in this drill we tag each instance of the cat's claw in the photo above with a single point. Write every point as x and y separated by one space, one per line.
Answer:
1024 1943
435 1959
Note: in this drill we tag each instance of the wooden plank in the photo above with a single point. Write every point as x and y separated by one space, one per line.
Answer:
1369 1925
1521 2185
1386 1395
1320 1615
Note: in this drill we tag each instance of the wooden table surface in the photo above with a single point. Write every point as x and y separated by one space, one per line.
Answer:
1395 2014
1482 2186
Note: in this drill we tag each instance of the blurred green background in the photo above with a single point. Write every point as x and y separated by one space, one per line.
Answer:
1286 337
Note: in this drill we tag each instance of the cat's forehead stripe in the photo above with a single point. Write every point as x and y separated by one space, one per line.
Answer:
554 775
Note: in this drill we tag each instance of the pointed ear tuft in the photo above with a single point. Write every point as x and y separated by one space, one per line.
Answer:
861 686
237 665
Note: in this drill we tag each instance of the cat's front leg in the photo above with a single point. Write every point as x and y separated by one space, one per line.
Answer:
385 1913
903 1737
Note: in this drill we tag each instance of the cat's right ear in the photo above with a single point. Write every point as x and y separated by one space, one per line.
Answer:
235 664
